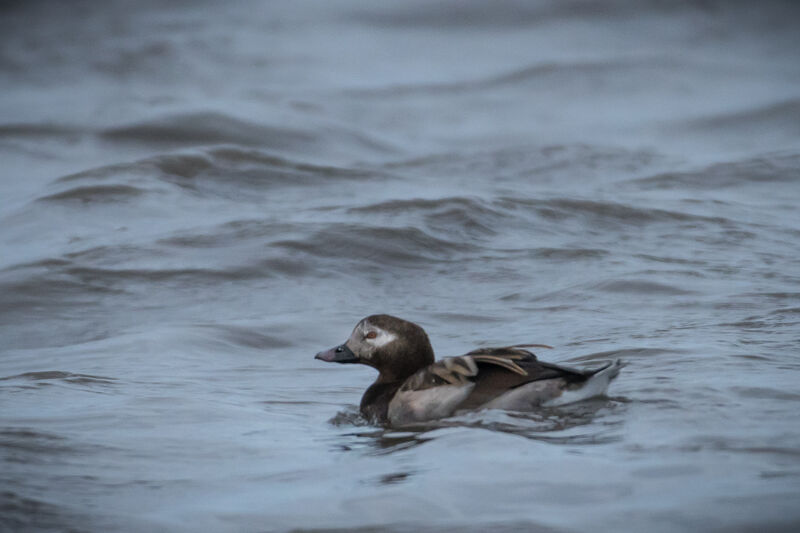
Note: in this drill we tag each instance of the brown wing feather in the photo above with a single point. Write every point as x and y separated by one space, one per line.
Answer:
513 352
506 362
447 371
463 369
493 370
493 379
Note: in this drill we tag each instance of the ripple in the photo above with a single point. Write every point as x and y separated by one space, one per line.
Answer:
782 116
227 233
570 424
545 74
570 254
95 194
545 163
773 168
426 205
206 128
113 276
602 212
460 15
635 286
27 129
67 377
463 217
51 291
29 441
226 171
452 214
246 337
381 442
381 246
214 128
763 393
574 424
22 513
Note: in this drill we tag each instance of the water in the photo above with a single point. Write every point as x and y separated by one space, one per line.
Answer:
198 197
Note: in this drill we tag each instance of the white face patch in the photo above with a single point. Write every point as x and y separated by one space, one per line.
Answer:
382 338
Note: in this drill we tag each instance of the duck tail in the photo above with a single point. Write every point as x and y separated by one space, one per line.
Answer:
595 385
598 383
610 369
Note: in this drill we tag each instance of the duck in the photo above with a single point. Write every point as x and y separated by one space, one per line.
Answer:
412 387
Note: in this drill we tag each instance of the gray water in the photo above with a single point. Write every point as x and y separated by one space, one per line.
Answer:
196 197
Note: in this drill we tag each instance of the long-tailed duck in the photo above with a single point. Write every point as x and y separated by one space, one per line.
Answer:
411 387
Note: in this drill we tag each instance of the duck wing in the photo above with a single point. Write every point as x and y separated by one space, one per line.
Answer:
508 366
494 379
474 379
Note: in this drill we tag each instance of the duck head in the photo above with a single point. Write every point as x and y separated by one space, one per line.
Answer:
395 347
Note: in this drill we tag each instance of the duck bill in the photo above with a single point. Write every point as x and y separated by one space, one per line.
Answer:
338 354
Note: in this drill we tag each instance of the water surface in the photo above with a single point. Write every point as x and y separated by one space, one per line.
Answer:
198 197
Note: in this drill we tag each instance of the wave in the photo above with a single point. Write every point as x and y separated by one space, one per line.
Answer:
22 513
67 377
234 232
569 254
549 73
30 441
88 273
424 204
498 215
239 170
225 171
768 168
214 128
467 215
460 15
70 286
27 129
573 162
87 280
370 247
224 159
114 277
207 128
639 286
95 193
780 116
603 212
51 290
243 336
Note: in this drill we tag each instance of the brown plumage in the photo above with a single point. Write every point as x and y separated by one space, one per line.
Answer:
411 387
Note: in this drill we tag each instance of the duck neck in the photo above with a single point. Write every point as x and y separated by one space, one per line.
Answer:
375 402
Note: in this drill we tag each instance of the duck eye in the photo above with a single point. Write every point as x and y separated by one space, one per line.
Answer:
371 335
